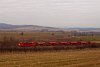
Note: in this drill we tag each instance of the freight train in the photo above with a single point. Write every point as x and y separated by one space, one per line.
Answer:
53 44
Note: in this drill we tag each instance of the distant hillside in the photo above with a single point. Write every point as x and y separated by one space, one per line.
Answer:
85 29
9 27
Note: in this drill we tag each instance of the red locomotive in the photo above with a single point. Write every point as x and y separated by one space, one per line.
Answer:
27 44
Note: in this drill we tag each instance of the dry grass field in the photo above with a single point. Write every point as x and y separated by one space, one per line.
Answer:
59 58
46 36
69 58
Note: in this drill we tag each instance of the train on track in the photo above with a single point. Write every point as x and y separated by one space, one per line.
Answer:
53 44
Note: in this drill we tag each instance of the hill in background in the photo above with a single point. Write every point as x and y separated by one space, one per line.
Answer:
10 27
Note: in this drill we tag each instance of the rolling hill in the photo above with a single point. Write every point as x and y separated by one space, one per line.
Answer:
10 27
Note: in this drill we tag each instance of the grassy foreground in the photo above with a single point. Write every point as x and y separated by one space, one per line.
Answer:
70 58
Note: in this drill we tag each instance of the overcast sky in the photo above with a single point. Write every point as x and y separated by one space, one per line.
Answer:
55 13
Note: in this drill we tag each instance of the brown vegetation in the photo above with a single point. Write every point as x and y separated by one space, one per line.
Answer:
9 40
70 58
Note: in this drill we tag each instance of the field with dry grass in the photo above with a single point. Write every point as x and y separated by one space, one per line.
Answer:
9 40
68 58
60 58
46 36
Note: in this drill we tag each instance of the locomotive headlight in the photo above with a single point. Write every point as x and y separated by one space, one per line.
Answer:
19 44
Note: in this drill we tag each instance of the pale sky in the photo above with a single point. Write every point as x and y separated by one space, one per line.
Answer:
54 13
